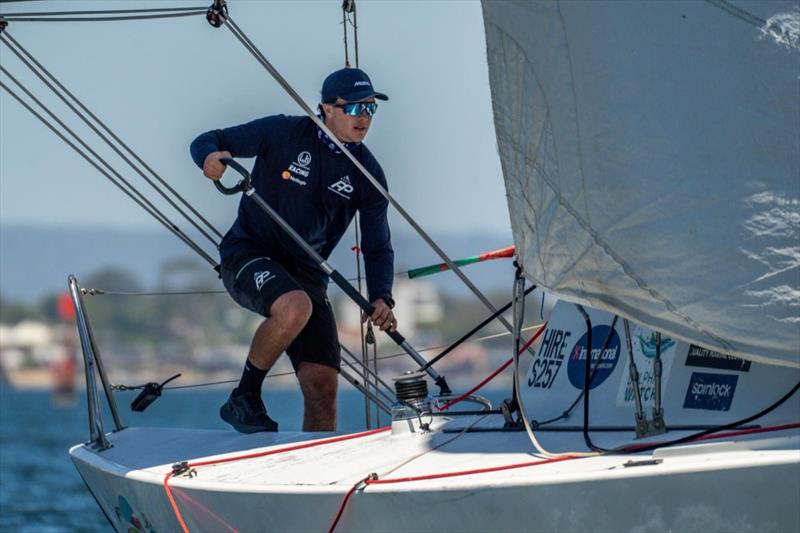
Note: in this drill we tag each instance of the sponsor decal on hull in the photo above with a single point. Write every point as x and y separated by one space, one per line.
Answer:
643 342
603 364
705 358
710 392
549 359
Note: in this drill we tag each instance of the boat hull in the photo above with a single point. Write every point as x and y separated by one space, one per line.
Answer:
711 487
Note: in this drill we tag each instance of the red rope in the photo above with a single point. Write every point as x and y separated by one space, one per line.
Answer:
302 446
344 503
376 481
373 480
491 376
474 471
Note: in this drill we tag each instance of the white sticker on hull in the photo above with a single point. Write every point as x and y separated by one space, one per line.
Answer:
644 353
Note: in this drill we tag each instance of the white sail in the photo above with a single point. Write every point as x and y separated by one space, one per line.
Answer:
651 155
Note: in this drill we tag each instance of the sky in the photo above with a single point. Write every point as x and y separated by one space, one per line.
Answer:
160 83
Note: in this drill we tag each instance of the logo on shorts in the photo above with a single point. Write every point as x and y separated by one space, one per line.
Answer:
343 187
262 277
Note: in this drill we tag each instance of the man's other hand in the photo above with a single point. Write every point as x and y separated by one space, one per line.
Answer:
212 167
382 316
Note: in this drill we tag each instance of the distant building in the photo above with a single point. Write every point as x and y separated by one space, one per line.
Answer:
418 303
29 343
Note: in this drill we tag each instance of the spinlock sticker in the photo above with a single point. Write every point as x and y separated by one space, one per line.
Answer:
710 392
703 357
602 364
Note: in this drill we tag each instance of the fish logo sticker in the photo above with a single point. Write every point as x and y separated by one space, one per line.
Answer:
643 342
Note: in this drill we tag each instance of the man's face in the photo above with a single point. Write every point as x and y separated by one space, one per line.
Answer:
347 128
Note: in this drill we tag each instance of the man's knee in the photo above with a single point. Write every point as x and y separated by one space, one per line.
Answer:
292 310
319 384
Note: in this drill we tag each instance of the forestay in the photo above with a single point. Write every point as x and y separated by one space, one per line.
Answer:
651 156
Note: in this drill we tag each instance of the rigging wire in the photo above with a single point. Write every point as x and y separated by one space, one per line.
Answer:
471 332
519 315
86 147
348 8
105 19
100 12
107 15
29 61
102 292
144 204
289 373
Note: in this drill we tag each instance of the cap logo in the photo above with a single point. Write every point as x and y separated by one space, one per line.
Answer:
360 83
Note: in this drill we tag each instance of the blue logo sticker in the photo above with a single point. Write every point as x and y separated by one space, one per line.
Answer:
710 392
603 364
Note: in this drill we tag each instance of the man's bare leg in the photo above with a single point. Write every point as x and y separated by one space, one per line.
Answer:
318 383
244 409
288 316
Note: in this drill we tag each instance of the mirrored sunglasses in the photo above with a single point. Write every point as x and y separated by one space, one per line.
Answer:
355 109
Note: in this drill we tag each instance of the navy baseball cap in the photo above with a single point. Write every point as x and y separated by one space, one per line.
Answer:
349 84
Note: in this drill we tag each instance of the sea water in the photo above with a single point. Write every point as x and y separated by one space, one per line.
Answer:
40 489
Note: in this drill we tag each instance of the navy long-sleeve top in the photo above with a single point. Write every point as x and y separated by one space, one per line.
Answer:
314 188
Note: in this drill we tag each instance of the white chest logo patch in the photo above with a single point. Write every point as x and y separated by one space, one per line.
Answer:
304 159
343 187
261 278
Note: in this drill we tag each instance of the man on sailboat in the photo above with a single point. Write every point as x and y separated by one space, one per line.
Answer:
304 176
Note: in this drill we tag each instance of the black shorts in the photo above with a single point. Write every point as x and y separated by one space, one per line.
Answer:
255 281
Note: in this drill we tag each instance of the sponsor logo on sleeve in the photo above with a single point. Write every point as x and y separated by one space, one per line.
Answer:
705 358
343 187
710 392
602 364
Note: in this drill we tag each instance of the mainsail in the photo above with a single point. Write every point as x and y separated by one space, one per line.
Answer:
651 156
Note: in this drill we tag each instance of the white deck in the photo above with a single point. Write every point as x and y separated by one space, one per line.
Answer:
302 489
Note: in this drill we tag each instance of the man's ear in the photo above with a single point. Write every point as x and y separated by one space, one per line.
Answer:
327 109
